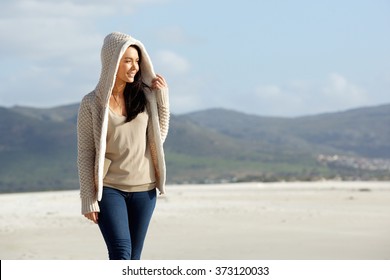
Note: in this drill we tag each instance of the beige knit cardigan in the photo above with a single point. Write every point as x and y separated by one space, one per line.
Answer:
93 118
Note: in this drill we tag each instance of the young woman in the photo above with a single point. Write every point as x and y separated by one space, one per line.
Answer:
122 125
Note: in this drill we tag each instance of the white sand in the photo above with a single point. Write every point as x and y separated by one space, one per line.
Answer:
319 220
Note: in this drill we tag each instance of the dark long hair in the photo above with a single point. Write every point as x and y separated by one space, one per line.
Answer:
135 99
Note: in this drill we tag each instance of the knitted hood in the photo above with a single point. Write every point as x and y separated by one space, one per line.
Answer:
114 46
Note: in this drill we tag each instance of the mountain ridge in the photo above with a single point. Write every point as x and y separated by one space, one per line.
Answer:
39 149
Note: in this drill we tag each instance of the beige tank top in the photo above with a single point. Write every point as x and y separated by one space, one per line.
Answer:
128 164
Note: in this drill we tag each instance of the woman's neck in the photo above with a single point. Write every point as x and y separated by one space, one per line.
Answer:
119 88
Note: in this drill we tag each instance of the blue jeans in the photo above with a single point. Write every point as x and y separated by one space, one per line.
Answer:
123 220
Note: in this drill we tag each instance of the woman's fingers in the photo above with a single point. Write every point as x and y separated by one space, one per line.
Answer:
93 216
159 82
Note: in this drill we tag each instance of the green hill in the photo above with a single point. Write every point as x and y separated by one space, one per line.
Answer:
38 147
36 154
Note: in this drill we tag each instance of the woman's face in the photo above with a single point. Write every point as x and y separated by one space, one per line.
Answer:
128 66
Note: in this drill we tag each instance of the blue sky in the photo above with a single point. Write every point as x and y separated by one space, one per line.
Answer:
271 58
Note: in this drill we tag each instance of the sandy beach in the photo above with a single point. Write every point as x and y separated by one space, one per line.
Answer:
274 221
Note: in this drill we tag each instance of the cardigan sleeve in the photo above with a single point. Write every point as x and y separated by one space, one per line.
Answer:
86 158
163 112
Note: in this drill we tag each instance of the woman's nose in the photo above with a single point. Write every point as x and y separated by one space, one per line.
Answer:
135 67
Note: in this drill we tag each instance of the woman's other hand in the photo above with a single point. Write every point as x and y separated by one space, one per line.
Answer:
93 216
159 82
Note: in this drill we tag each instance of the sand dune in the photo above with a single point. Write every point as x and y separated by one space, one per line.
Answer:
313 220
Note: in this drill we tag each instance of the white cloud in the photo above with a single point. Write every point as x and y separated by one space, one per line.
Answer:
40 29
339 89
50 50
40 39
302 97
172 63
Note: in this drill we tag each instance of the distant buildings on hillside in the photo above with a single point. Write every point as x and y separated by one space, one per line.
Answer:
372 164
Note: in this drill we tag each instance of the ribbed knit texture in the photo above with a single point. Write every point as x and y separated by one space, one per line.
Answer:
93 118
